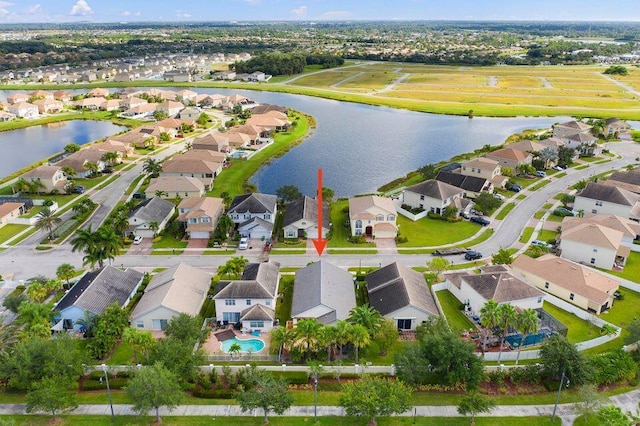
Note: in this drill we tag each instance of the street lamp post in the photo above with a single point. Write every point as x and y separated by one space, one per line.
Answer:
106 377
555 407
315 397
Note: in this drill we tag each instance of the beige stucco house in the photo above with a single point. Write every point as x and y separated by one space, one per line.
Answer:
373 216
481 167
175 186
509 157
51 177
200 215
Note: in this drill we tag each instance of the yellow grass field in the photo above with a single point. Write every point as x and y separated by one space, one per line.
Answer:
544 90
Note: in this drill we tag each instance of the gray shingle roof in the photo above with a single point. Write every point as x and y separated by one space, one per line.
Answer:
468 183
306 208
611 194
257 313
435 189
259 281
254 203
321 288
501 287
97 290
396 286
152 209
632 177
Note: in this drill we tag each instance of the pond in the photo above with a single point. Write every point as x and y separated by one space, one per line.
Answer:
23 147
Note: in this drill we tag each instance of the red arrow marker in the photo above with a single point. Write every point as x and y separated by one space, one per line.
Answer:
319 242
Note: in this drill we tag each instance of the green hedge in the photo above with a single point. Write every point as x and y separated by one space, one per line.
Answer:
292 377
214 394
91 384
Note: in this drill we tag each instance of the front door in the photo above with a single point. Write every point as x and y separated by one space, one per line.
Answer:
368 231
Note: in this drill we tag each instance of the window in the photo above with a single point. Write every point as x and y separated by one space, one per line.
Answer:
594 211
540 299
599 203
546 285
267 216
160 324
595 250
291 233
231 317
186 194
140 324
404 324
421 197
571 296
256 324
230 302
358 224
267 302
248 302
379 217
391 218
193 220
247 216
593 261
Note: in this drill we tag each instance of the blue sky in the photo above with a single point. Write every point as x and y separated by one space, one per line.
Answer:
314 10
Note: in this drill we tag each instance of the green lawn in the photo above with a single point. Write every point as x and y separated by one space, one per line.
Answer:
428 232
451 307
279 251
484 235
547 235
539 214
340 230
554 218
505 211
168 241
526 234
540 184
521 197
547 206
579 329
123 355
631 270
10 231
283 305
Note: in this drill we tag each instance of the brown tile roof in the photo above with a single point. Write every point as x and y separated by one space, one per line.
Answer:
510 154
42 172
594 235
360 205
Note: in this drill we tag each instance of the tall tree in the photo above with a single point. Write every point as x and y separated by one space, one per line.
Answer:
343 334
559 356
65 272
52 395
108 329
507 321
327 194
489 318
265 392
360 337
527 322
307 331
110 157
140 341
186 328
428 171
151 167
438 265
47 221
368 317
281 338
502 257
288 193
153 387
372 397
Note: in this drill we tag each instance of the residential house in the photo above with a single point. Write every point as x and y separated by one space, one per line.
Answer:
495 283
140 112
94 292
626 180
132 102
573 127
150 217
48 106
614 127
6 116
10 211
471 185
187 97
481 167
204 170
24 110
140 137
63 96
402 295
269 123
251 300
110 105
323 291
239 139
171 108
41 94
373 217
110 145
509 157
434 196
80 160
212 141
205 154
98 93
576 135
200 216
181 289
265 108
50 176
175 187
301 219
580 285
191 114
18 98
598 198
174 123
254 214
593 244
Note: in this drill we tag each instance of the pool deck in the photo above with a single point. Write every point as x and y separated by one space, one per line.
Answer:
212 346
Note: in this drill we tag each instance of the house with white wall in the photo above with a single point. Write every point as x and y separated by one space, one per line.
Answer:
598 198
373 216
434 196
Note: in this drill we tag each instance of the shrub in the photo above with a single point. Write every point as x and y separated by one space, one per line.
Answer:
357 239
115 383
497 377
214 394
292 377
401 239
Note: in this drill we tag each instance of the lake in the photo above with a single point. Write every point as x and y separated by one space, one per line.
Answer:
23 147
362 147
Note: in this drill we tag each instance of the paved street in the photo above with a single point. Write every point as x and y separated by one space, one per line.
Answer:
24 261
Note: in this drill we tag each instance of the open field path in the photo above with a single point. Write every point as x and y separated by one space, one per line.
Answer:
291 80
493 81
392 86
356 75
621 84
546 83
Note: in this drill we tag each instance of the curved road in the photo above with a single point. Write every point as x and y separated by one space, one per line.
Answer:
24 261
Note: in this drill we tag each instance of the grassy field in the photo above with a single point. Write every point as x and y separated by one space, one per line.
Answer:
10 231
526 234
450 305
579 329
428 232
505 211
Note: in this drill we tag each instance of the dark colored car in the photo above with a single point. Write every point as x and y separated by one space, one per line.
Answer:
78 189
465 215
139 195
514 187
563 166
480 220
107 170
473 255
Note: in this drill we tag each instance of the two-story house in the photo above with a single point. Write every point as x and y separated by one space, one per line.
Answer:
301 219
50 176
373 217
254 214
598 198
251 300
511 158
204 170
200 215
481 167
434 196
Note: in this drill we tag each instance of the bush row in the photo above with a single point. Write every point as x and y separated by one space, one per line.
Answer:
214 394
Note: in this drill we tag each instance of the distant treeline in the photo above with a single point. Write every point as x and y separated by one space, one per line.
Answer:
285 63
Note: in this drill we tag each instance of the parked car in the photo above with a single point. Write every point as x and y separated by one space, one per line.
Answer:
540 173
473 255
514 187
499 197
540 243
563 166
78 189
464 215
137 239
139 196
558 168
244 243
562 211
107 170
480 220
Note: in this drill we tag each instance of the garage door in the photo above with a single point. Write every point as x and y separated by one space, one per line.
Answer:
200 235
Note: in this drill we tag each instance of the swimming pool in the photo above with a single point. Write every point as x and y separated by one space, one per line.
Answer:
531 339
239 154
246 346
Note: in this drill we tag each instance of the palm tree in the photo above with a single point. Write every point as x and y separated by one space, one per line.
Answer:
235 349
489 318
88 321
91 167
110 157
68 171
35 186
359 337
120 223
343 333
527 323
47 221
84 240
160 193
281 337
20 185
153 226
507 320
306 332
8 336
327 339
151 167
110 244
65 272
366 316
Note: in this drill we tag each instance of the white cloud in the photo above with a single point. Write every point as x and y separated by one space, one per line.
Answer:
336 14
126 13
300 11
253 2
3 7
81 8
183 15
32 10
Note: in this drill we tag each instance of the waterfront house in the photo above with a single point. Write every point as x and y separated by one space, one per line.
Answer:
373 217
254 205
323 291
301 219
9 211
175 187
94 292
580 285
206 155
150 217
79 162
171 108
110 145
434 196
511 158
50 176
98 93
212 141
177 290
481 167
402 295
48 106
17 98
24 110
471 185
200 216
251 300
615 127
